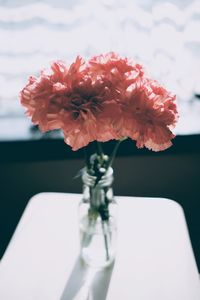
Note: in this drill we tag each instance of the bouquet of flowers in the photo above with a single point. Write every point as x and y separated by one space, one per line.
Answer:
105 98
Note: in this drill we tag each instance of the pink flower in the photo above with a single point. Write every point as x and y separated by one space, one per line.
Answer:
37 98
149 113
69 99
88 112
107 98
43 96
119 72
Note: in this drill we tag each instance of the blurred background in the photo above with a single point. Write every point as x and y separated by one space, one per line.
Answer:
162 35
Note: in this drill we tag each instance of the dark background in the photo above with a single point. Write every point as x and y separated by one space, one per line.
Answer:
30 167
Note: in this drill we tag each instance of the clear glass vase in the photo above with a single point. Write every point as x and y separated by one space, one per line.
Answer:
97 220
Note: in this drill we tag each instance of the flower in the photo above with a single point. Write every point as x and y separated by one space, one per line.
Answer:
106 98
69 99
41 98
119 72
88 113
149 112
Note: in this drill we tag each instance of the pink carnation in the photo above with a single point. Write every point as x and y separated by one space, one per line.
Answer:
149 115
69 99
88 113
37 98
107 98
119 72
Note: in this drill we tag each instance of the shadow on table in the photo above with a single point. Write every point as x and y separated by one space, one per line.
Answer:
87 283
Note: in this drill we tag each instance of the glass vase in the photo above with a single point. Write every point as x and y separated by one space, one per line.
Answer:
97 220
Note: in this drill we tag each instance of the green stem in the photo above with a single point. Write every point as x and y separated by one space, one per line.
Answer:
112 157
99 149
87 158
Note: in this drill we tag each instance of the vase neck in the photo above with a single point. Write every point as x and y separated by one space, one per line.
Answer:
91 181
98 193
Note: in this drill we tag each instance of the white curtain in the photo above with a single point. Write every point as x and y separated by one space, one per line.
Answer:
162 35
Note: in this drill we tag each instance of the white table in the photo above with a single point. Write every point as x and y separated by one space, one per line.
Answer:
154 259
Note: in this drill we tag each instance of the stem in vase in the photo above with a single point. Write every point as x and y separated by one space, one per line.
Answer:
105 240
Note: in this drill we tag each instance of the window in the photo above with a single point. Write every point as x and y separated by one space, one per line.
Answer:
162 35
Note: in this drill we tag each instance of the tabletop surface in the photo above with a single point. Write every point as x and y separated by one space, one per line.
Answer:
154 258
